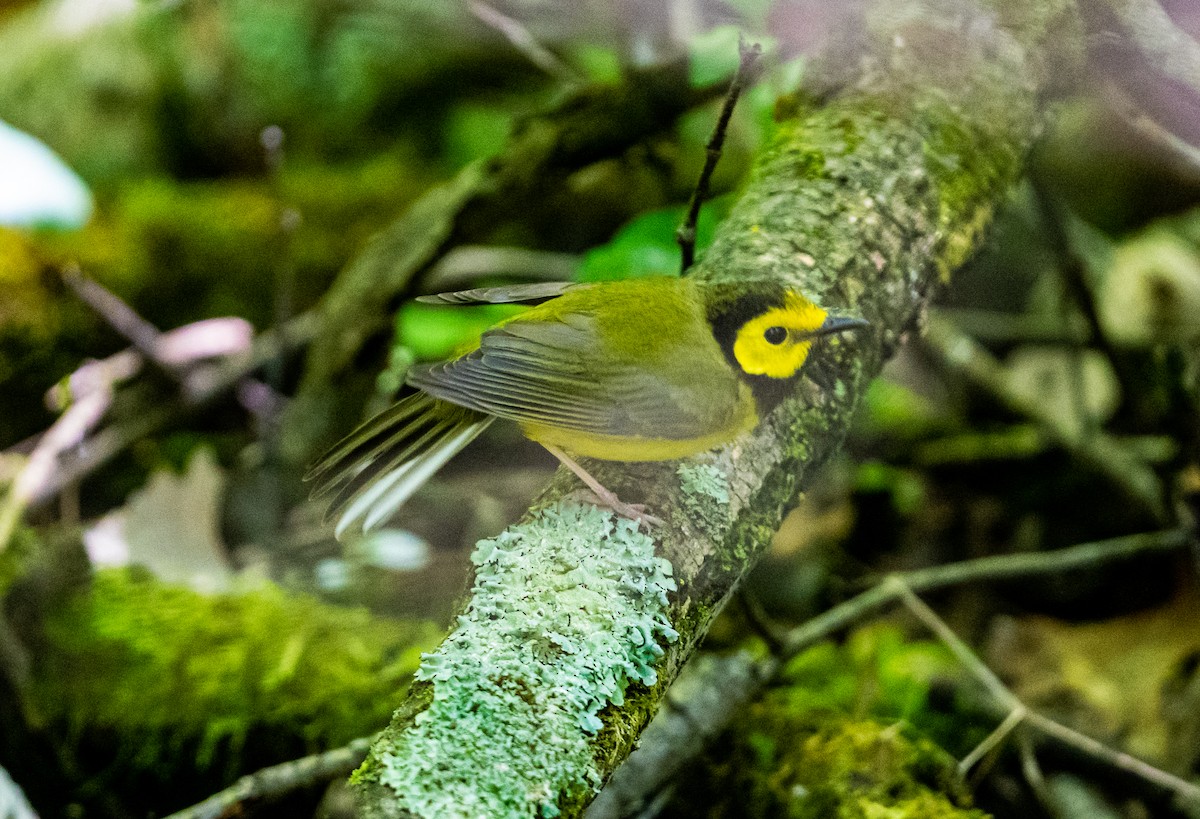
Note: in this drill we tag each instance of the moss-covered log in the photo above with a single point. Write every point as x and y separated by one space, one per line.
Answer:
866 200
139 697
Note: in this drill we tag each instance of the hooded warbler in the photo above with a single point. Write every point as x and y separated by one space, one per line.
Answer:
647 369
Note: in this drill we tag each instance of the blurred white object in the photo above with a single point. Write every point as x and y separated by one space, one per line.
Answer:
396 550
105 542
332 574
1151 293
38 188
73 17
171 526
13 804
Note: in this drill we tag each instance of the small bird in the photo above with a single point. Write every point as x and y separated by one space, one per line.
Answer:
648 369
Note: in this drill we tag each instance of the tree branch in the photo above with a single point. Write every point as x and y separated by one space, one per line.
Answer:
710 695
569 640
202 386
279 780
1018 712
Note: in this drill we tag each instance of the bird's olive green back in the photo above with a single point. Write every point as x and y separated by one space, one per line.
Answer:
634 358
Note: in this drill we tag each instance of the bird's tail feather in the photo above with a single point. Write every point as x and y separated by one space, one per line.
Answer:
376 468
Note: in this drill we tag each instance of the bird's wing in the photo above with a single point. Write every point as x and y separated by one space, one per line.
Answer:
560 373
506 294
375 469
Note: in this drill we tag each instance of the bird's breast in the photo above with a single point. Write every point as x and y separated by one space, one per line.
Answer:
742 417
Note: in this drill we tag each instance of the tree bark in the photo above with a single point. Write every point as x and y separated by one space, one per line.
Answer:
865 200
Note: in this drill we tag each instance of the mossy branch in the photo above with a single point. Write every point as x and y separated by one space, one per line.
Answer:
867 202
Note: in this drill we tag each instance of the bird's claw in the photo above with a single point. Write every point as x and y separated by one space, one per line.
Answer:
633 511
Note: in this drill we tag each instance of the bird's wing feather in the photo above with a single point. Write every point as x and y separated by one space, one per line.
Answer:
374 470
535 293
560 373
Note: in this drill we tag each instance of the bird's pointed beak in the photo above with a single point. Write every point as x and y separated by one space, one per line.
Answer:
840 324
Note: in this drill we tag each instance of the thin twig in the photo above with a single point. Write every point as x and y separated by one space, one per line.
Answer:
685 236
1010 567
991 742
41 468
203 385
957 647
721 685
1032 771
997 567
522 40
120 316
279 780
1181 788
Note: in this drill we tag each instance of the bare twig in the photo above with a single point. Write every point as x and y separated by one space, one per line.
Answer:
1032 771
204 384
120 316
41 469
522 40
991 742
686 234
181 348
1181 788
1010 567
465 265
279 780
721 686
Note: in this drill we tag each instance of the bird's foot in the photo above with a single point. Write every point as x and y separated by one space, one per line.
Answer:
633 511
603 496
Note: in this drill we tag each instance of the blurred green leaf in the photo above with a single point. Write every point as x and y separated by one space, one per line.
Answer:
598 64
894 411
475 131
432 332
904 485
879 672
646 246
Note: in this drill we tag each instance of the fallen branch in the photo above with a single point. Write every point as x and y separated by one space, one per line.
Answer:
707 699
523 40
279 780
41 469
203 385
1019 713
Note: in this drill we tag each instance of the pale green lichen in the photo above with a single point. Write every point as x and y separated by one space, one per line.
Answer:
567 611
705 495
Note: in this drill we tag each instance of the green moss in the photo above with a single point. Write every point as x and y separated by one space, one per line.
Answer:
157 668
829 767
157 235
834 740
566 612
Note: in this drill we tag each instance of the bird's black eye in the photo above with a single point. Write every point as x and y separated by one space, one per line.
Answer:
775 335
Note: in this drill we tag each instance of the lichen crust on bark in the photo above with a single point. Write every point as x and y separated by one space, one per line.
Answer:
567 610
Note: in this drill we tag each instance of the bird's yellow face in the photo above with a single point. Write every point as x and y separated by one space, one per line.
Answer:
776 343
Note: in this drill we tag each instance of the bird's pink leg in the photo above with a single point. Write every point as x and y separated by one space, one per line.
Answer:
606 497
